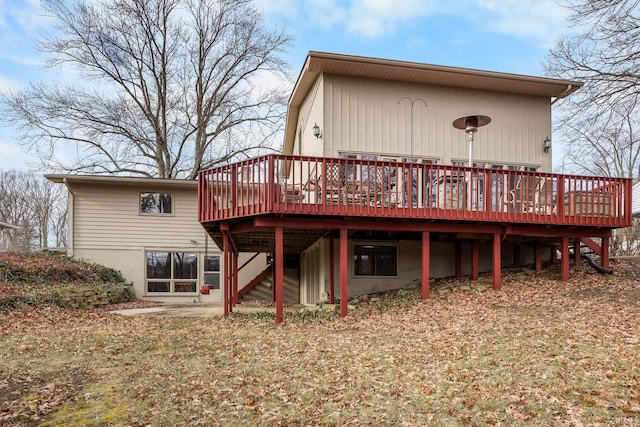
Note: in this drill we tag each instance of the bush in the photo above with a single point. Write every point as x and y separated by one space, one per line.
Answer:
48 268
49 278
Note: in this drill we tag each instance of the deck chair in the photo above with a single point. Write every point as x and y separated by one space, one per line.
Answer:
372 188
532 195
330 184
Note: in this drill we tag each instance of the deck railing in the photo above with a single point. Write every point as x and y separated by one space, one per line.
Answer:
280 184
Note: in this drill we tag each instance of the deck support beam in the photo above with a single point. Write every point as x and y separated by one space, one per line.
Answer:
426 252
474 259
332 282
234 270
564 255
458 255
344 260
516 255
279 274
226 255
576 252
604 254
497 265
537 256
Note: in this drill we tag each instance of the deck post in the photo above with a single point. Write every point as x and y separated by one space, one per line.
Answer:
332 282
564 261
234 269
458 252
497 265
426 252
279 275
516 255
576 252
604 252
537 256
344 259
226 245
474 259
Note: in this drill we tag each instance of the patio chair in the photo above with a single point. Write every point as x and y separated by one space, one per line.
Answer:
531 195
330 184
372 188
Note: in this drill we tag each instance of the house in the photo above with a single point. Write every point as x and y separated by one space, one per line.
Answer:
148 229
396 172
6 226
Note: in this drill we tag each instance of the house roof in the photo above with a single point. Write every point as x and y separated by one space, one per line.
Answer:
386 69
121 180
4 225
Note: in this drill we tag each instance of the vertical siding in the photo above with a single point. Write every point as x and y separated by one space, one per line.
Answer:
635 199
310 114
365 116
312 276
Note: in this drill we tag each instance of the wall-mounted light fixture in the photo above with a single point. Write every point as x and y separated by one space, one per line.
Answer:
316 131
547 145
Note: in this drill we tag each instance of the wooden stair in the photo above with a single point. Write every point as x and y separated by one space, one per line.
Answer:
255 281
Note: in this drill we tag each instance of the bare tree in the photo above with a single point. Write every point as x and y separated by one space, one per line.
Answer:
173 86
599 121
35 205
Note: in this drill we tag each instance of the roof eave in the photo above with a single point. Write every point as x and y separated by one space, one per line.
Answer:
101 179
386 69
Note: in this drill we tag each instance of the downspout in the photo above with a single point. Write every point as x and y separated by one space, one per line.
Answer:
70 211
563 94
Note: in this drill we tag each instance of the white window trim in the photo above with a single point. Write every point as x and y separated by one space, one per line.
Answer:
159 214
172 293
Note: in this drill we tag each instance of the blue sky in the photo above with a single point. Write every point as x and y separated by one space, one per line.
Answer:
498 35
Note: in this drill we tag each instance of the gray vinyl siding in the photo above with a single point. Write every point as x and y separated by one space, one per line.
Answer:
107 216
106 227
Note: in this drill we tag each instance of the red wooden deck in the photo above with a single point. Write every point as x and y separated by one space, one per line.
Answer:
279 204
332 187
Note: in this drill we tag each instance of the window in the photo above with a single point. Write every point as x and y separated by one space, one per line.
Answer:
172 272
212 271
375 260
156 203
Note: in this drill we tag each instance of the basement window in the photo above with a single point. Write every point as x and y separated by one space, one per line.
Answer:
171 272
375 260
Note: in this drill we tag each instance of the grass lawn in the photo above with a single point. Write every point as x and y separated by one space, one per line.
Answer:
538 352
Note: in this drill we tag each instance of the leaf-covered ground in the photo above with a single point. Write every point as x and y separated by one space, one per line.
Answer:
538 352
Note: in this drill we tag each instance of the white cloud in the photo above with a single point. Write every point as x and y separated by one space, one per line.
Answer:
7 84
374 18
365 18
283 8
541 20
12 156
24 16
30 15
10 150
